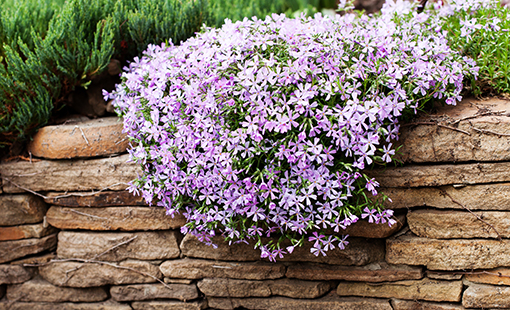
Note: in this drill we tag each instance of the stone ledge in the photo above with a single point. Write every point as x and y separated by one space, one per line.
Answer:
25 231
21 209
101 199
486 296
499 276
168 305
135 292
14 274
11 250
423 305
108 305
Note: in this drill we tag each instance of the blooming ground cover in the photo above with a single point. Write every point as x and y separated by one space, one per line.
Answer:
263 128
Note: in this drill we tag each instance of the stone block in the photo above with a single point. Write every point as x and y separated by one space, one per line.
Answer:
498 276
107 305
443 275
425 289
219 287
168 305
375 272
11 250
90 138
21 209
35 259
112 173
39 290
198 269
135 292
113 218
13 274
78 274
96 199
26 231
116 246
486 296
423 305
364 229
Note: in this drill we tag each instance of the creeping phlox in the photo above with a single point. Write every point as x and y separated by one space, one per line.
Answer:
262 128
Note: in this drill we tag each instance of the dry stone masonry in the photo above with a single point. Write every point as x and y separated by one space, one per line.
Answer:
72 238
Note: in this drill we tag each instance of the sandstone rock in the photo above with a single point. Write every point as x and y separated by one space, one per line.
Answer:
13 274
113 218
199 269
425 289
439 224
432 143
154 291
35 259
25 231
168 305
101 199
444 275
95 137
40 290
365 229
329 302
218 287
114 246
375 272
21 209
359 252
11 250
423 305
439 175
77 274
499 276
474 197
456 254
108 305
486 296
176 281
70 175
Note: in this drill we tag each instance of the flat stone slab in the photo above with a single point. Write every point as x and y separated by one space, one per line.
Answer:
13 274
26 231
168 305
364 229
498 276
113 218
95 199
11 250
90 138
359 252
135 292
423 305
439 175
77 274
198 269
486 296
218 287
40 290
375 272
329 302
479 141
443 275
117 246
439 224
455 254
425 289
108 305
495 197
21 209
69 175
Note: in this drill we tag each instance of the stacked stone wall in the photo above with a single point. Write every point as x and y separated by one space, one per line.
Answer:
72 237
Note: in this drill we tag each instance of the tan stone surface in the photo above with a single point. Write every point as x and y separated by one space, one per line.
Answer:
39 290
77 274
25 231
455 254
116 246
498 276
439 175
365 229
425 289
101 199
486 296
11 250
440 224
21 209
358 252
35 259
423 305
168 305
330 302
70 175
375 272
495 197
154 291
198 269
443 275
13 274
177 281
113 218
431 143
95 137
219 287
108 305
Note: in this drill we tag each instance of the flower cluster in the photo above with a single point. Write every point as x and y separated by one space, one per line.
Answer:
263 127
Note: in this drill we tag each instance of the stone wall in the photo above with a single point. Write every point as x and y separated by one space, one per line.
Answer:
72 238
